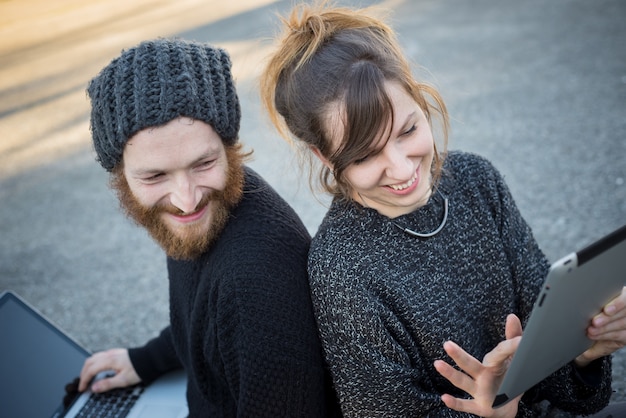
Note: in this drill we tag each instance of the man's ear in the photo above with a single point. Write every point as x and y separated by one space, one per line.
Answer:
321 157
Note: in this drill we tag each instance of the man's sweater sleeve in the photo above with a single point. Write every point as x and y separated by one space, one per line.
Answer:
155 358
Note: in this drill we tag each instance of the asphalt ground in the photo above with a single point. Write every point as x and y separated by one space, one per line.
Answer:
538 87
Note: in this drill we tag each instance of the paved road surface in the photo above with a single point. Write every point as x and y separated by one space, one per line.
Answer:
539 87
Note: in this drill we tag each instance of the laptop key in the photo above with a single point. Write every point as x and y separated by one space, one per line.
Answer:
112 404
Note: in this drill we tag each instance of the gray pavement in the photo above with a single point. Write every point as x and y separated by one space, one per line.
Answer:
538 87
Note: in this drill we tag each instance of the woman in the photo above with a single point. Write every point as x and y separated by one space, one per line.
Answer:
423 254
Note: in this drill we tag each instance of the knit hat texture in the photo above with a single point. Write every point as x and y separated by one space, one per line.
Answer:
156 82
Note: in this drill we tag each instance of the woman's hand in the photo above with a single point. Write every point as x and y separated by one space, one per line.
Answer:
115 360
481 380
607 329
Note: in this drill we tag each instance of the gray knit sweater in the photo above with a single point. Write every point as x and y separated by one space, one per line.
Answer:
386 302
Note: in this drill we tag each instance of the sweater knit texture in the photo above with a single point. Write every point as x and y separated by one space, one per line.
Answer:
386 302
155 82
241 319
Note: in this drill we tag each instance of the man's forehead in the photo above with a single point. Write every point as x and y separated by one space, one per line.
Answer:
180 142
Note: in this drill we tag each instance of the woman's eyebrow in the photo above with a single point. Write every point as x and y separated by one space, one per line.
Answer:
408 121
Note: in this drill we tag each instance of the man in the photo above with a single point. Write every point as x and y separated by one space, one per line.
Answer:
165 120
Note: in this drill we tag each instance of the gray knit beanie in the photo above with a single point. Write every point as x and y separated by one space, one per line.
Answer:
155 82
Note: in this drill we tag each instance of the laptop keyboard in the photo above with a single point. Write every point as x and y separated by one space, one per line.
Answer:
112 404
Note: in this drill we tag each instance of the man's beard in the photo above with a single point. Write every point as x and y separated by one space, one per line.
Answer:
190 241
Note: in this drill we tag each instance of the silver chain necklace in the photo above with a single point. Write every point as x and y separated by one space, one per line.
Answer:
436 231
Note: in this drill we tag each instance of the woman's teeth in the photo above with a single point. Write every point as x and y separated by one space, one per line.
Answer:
404 185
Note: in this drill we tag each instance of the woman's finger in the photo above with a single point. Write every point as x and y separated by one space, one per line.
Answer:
464 360
454 376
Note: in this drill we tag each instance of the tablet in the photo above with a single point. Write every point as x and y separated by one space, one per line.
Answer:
575 290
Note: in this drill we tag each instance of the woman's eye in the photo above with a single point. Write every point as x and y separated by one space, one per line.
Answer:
362 160
410 130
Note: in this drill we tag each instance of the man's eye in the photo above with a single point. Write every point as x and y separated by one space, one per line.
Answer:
205 164
153 178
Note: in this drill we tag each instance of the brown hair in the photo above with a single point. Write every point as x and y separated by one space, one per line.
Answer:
327 56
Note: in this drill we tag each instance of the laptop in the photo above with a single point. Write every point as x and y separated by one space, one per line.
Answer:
575 290
39 365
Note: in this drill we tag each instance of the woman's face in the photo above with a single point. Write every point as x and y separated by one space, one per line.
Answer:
396 180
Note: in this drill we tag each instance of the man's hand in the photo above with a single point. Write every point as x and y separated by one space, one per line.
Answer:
115 360
481 380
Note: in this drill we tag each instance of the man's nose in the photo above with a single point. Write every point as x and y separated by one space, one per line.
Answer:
186 195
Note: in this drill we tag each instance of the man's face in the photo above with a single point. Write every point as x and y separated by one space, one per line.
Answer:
179 182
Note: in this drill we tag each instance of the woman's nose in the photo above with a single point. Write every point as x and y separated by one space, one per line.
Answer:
399 165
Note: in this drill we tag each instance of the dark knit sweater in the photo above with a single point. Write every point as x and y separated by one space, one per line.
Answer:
386 302
242 323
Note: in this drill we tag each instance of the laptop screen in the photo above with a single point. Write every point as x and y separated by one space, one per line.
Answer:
37 361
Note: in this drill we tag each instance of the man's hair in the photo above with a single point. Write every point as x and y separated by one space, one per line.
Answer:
155 82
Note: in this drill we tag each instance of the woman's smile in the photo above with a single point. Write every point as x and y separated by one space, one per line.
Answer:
407 187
